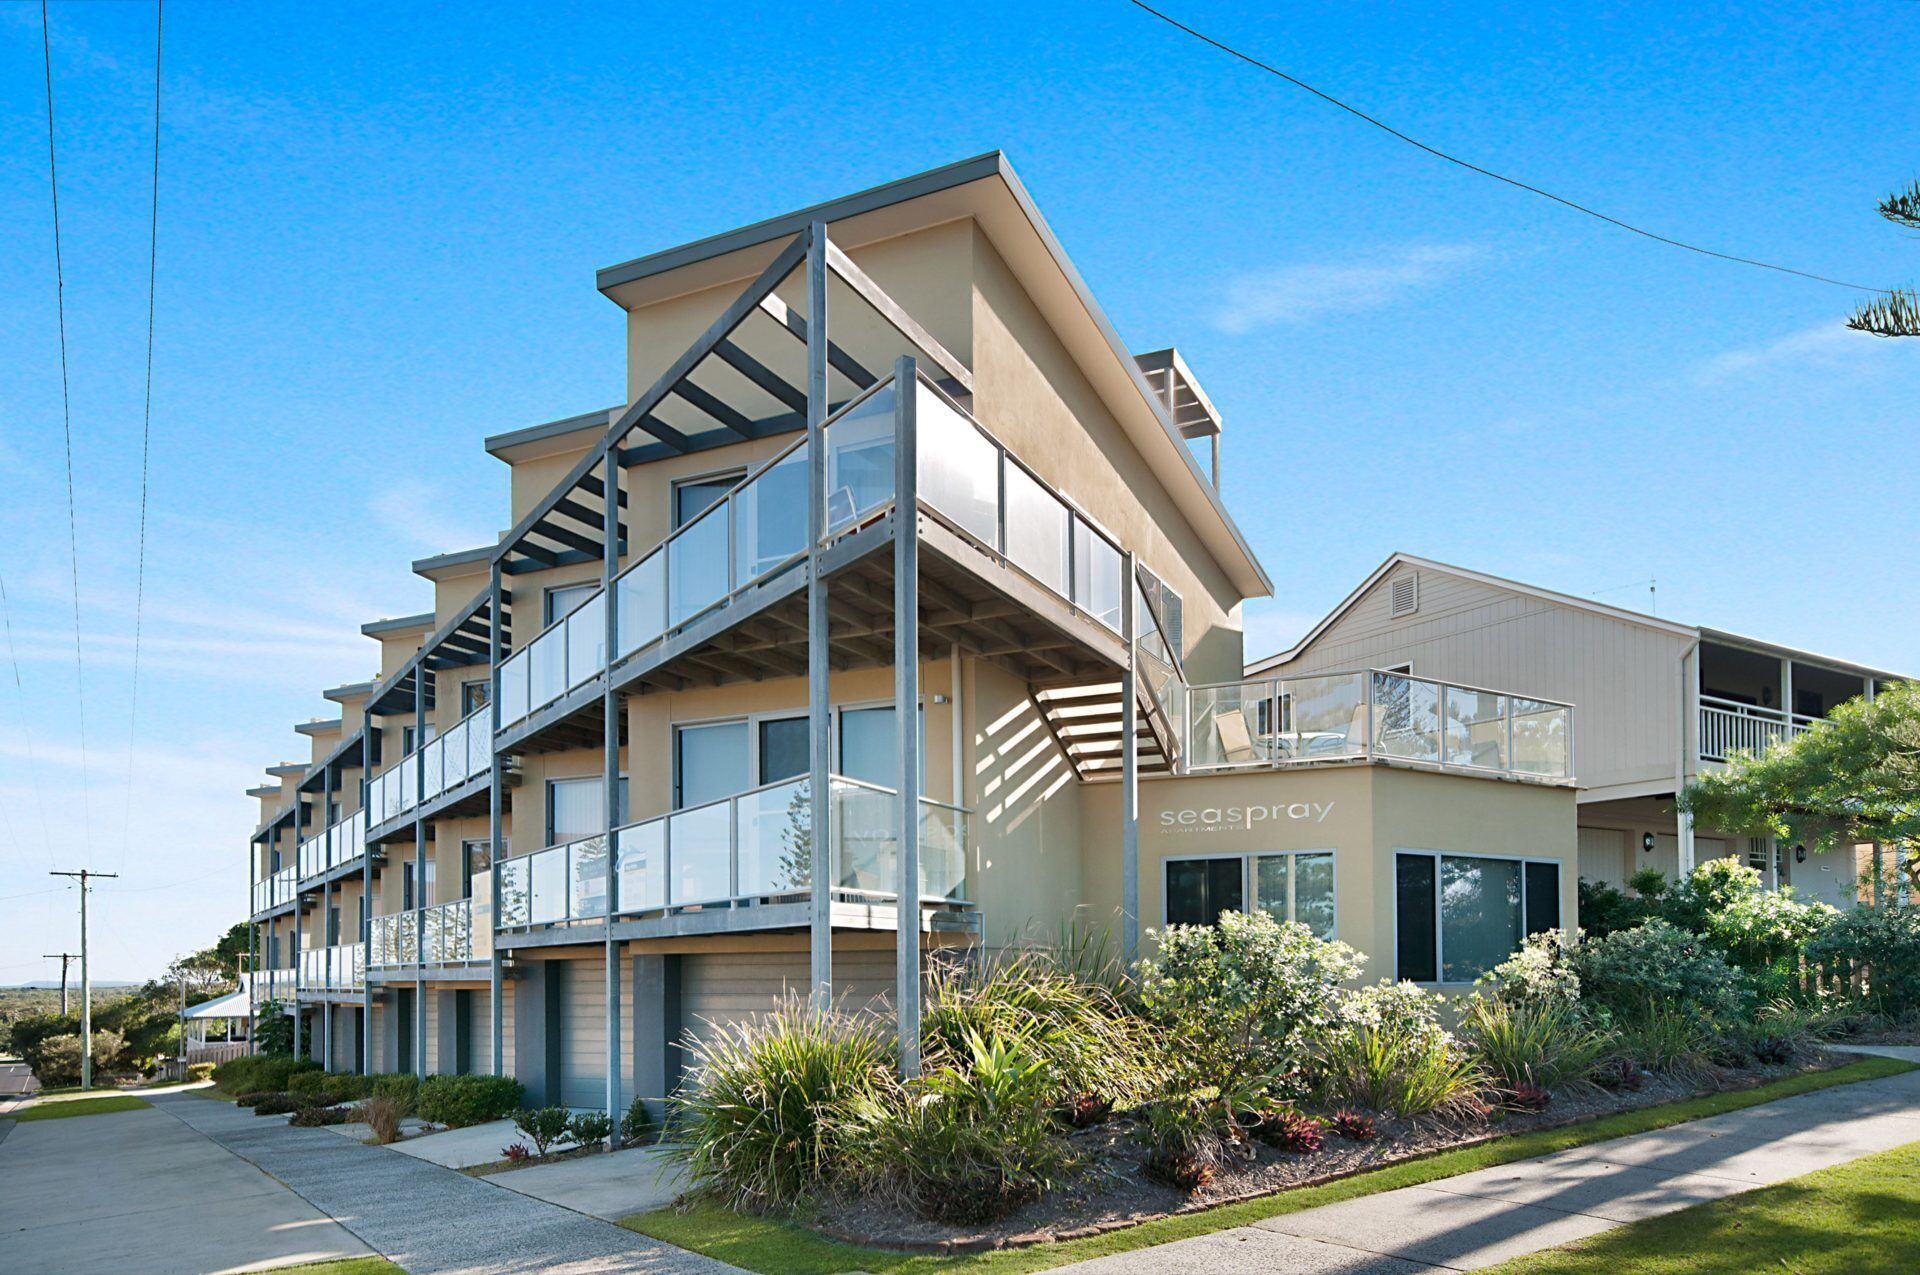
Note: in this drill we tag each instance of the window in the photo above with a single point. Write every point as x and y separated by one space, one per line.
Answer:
473 695
475 857
710 762
869 745
1458 916
406 741
1199 890
416 890
575 808
694 496
563 598
785 752
1296 887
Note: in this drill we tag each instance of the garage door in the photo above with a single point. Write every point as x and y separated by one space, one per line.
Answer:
721 990
583 1033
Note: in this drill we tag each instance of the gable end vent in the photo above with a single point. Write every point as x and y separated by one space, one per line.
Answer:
1406 595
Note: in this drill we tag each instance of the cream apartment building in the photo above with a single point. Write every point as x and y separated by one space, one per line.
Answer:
1659 702
639 771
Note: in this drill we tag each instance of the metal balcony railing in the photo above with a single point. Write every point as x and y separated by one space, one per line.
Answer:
339 967
1728 726
1376 715
448 760
341 843
275 890
444 934
759 529
753 847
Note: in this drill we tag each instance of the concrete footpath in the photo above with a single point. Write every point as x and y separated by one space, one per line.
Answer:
140 1191
1483 1218
428 1219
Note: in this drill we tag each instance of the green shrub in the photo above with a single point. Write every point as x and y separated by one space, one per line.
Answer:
1786 1029
315 1117
637 1124
544 1125
59 1061
253 1096
280 1104
1669 1039
589 1128
1658 966
763 1118
1389 1052
1244 998
1877 949
252 1072
966 1144
1078 1027
1604 908
1542 972
200 1071
1538 1041
460 1101
401 1086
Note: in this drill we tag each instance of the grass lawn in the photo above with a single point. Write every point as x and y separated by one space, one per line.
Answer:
1858 1218
82 1107
343 1266
761 1244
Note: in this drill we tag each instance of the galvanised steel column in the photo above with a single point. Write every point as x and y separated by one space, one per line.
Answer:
495 973
1130 766
253 945
819 723
906 710
419 869
369 754
293 921
609 557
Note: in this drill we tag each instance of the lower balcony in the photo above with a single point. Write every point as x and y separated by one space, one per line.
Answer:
441 940
340 968
742 863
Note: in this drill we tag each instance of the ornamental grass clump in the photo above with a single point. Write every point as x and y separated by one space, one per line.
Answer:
1189 1138
1547 1043
968 1142
1388 1052
765 1119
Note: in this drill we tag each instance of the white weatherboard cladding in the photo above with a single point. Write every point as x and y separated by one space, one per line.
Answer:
583 1033
1605 855
723 989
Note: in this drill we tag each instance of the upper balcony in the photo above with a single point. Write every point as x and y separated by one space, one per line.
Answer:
337 969
445 935
277 891
1753 698
741 863
322 855
447 771
1009 568
1375 716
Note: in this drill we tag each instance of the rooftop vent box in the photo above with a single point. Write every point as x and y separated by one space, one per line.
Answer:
1184 402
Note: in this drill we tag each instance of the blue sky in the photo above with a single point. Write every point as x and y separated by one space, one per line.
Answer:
379 226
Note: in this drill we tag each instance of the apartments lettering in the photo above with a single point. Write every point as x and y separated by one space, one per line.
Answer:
1235 818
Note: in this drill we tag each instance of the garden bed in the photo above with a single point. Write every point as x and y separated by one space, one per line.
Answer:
1113 1190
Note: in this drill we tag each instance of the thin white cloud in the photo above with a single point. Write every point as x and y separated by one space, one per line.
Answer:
1367 281
411 509
1828 346
1270 629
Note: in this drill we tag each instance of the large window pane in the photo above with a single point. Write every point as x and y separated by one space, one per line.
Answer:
640 597
1313 893
959 468
784 749
1476 729
1096 575
710 763
699 855
770 517
697 568
1036 530
869 748
1199 890
1543 897
575 808
860 460
1414 933
775 827
1270 873
1479 915
564 598
695 496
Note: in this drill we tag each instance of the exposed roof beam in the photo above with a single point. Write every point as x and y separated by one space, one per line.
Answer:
842 362
890 310
762 375
735 422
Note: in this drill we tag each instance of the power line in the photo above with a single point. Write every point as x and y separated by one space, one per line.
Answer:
146 423
1437 153
66 425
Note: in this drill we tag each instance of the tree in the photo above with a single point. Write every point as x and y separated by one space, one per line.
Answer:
1897 313
1852 779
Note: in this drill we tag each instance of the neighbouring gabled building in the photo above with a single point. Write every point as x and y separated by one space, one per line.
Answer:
638 773
1659 702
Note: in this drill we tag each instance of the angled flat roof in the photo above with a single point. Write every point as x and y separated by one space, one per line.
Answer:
348 691
398 624
444 564
985 189
539 440
318 726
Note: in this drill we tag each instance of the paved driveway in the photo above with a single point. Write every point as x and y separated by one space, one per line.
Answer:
141 1191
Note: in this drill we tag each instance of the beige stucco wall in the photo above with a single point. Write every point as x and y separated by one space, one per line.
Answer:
1363 813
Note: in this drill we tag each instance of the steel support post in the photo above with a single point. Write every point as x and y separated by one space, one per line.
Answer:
495 801
906 711
819 720
1129 766
609 561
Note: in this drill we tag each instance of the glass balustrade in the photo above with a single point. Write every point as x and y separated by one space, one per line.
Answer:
461 754
755 846
445 934
340 967
1391 716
